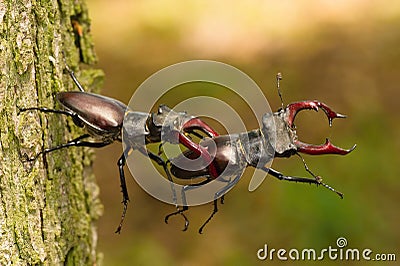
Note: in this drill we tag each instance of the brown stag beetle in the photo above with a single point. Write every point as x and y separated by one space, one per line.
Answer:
235 152
103 119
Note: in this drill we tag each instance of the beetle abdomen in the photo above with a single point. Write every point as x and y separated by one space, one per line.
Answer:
100 112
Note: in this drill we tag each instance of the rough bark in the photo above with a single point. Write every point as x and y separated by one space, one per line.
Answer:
47 207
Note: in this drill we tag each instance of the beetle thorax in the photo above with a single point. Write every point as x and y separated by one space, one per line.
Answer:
279 134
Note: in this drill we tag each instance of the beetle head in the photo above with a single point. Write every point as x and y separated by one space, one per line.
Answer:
287 143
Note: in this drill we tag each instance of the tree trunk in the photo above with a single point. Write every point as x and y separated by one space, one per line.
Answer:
47 207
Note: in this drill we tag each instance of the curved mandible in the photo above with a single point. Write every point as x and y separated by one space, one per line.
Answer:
326 148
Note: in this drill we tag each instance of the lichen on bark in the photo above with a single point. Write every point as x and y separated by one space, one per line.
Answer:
48 208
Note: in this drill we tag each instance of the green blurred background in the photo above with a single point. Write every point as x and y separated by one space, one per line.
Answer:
344 53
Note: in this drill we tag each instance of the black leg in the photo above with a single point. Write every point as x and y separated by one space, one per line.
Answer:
317 180
220 193
281 176
46 110
77 142
125 196
215 203
184 204
215 210
77 120
162 163
179 211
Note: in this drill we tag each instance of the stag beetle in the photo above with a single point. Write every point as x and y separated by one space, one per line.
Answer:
254 148
103 119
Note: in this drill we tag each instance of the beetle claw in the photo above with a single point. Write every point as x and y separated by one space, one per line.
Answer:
197 123
294 108
327 147
329 112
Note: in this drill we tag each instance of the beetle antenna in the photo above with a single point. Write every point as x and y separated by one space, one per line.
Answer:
72 74
278 85
318 178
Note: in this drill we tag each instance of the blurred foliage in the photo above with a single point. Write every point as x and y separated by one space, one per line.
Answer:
344 53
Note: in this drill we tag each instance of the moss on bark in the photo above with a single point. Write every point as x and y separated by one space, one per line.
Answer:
47 207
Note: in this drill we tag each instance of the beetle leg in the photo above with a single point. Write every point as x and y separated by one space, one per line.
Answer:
75 118
125 196
46 110
328 147
218 194
162 163
215 210
184 203
184 206
77 142
179 211
317 180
